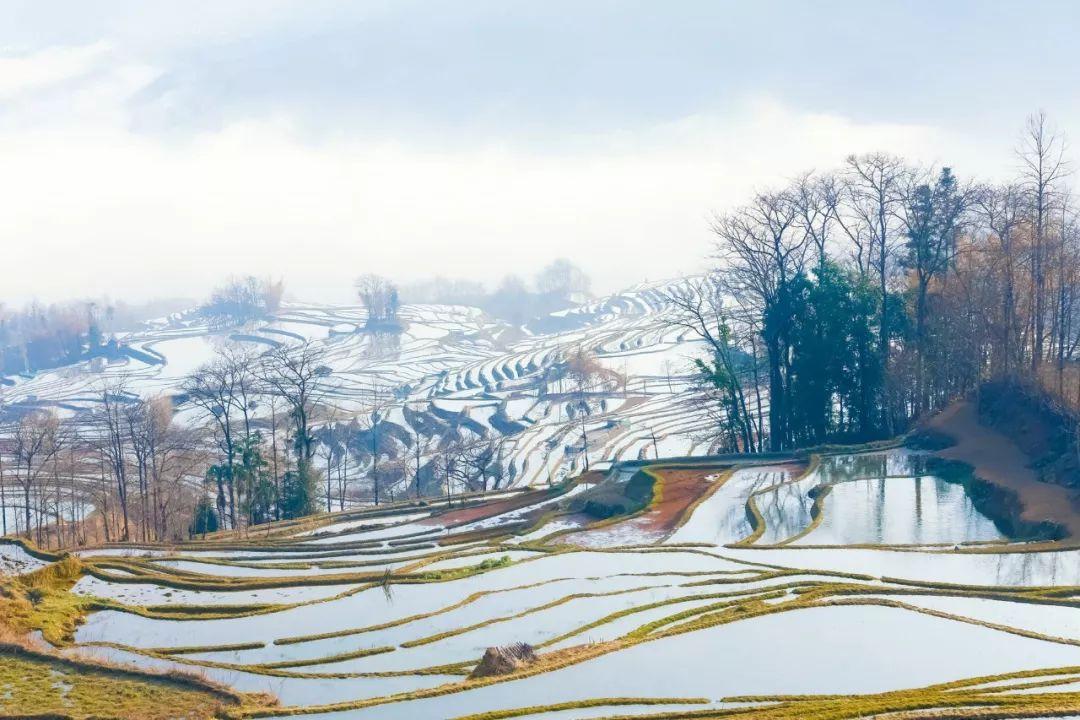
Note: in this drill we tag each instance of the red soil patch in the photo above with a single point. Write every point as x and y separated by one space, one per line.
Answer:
999 460
681 488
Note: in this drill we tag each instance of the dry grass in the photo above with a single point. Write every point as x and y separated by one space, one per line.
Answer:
41 600
36 682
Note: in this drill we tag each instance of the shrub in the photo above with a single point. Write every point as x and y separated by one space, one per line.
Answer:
610 499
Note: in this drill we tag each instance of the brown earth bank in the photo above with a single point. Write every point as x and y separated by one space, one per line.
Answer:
1045 429
998 459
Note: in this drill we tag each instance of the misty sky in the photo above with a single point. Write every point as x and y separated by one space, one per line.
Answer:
151 149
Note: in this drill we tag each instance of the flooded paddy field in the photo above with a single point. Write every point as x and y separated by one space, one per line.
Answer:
841 586
449 366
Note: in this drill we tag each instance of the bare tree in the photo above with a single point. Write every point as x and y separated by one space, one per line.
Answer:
277 463
298 376
1000 209
481 464
370 421
760 250
138 423
874 195
448 461
700 307
586 374
36 441
331 439
1042 157
423 443
817 204
113 446
164 457
1065 309
227 390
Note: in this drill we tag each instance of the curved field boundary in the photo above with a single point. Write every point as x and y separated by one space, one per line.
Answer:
816 595
817 514
753 514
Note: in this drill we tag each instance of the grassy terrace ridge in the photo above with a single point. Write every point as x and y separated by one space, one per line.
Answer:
41 600
580 705
60 612
284 535
817 514
136 573
686 621
38 685
956 700
408 619
291 528
732 606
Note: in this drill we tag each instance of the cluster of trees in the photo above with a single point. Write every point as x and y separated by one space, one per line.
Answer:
243 299
129 471
460 463
29 458
850 303
380 297
260 412
271 446
40 337
130 461
514 299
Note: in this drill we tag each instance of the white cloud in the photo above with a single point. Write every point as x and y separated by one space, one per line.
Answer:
93 207
47 67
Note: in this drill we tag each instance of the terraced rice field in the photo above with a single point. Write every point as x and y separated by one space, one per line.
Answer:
452 369
836 587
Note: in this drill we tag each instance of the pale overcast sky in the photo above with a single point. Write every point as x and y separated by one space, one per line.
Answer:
150 149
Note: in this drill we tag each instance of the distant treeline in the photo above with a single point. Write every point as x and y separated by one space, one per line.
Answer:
514 299
39 337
